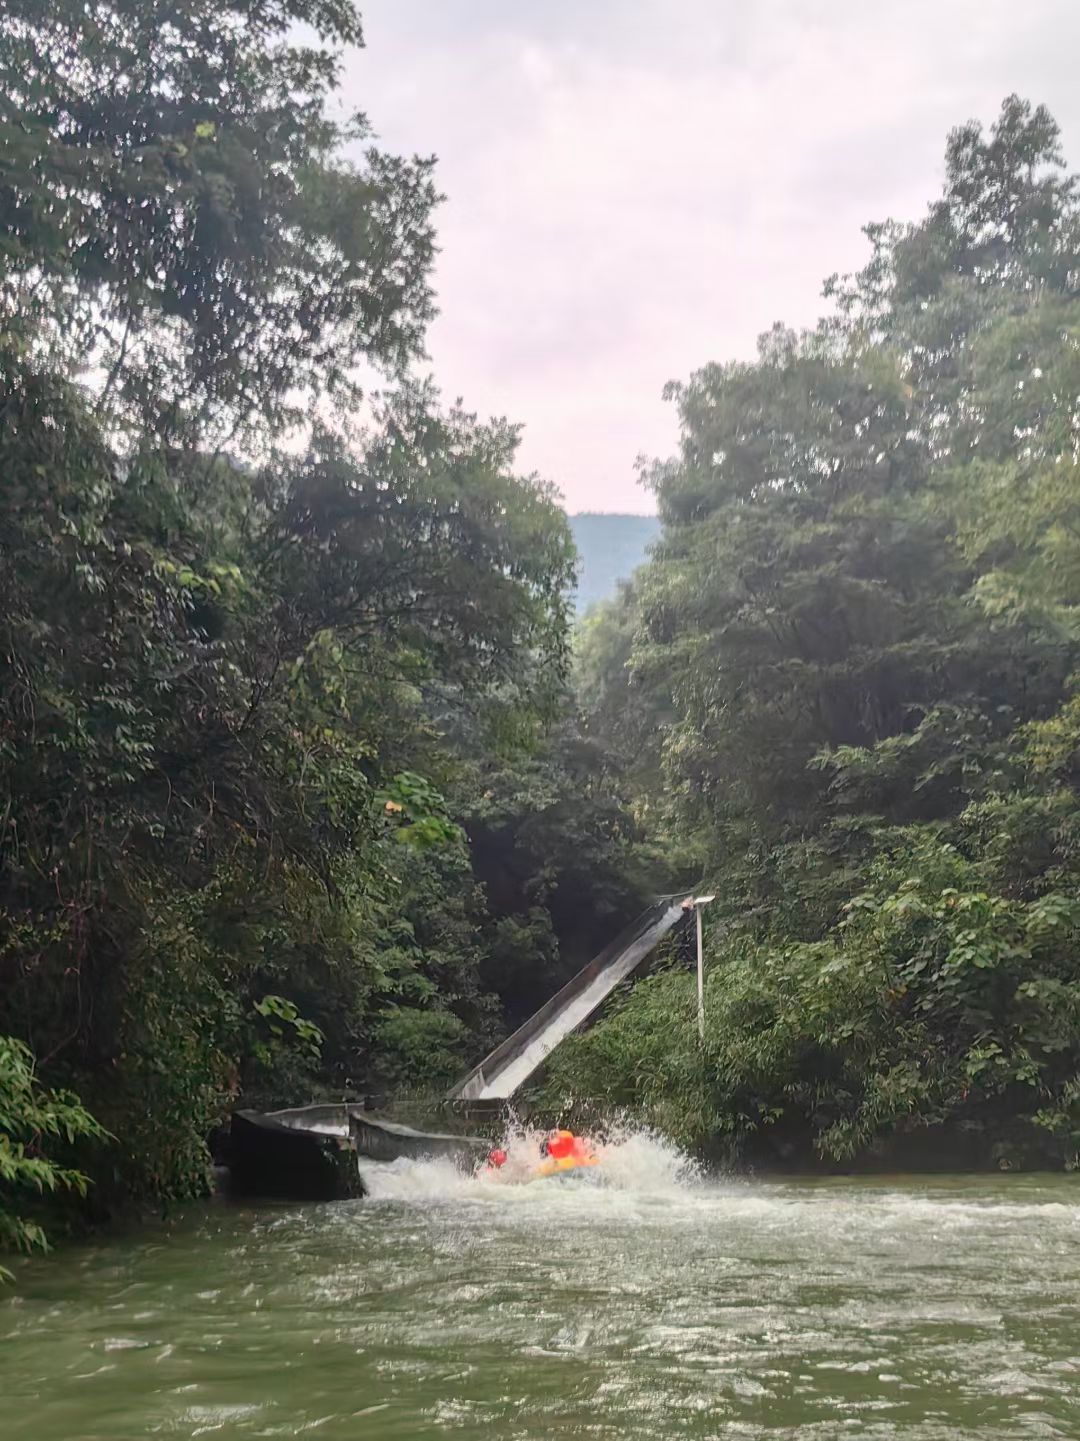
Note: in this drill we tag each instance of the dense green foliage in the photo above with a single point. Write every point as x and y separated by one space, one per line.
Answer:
851 663
173 207
253 695
30 1119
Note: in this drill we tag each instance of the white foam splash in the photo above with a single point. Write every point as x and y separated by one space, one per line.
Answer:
631 1160
638 1159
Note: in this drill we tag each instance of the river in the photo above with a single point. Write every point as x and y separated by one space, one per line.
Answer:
652 1303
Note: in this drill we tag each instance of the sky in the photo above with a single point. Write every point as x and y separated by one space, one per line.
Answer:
635 188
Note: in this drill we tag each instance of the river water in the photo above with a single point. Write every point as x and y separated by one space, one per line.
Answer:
643 1302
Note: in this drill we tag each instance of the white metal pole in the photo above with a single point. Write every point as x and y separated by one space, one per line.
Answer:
700 980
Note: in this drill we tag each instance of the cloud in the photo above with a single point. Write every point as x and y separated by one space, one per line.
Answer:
636 187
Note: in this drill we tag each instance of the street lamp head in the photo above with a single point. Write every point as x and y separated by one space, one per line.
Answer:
702 900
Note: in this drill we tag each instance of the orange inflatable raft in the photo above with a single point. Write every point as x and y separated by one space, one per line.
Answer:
562 1152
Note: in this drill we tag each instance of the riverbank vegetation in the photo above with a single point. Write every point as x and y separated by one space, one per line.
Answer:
302 792
849 673
263 672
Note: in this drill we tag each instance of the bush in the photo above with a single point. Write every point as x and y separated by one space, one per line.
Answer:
933 1001
30 1119
421 1049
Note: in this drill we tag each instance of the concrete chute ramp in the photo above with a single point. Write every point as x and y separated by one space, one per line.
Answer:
508 1067
304 1152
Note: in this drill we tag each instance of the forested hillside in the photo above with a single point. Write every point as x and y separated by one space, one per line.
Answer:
610 548
295 802
848 676
308 788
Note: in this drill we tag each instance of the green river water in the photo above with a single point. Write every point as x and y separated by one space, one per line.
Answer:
649 1305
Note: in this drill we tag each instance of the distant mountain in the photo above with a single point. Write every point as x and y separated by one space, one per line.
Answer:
611 549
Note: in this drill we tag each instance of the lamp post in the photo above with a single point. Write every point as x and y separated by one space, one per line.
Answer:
698 902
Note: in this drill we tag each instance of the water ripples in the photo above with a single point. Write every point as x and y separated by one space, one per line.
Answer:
651 1304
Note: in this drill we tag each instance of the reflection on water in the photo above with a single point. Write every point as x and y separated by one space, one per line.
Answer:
649 1303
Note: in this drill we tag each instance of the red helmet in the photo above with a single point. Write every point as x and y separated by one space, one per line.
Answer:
497 1157
560 1144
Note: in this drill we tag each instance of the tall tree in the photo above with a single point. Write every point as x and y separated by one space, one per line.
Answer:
229 691
864 606
177 214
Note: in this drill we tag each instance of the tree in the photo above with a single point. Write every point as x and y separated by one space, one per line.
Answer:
562 861
177 213
210 729
31 1121
1002 237
229 688
863 605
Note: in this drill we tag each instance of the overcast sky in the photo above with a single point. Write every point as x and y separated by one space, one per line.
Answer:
636 187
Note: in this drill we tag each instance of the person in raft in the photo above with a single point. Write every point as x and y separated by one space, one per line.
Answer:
567 1150
561 1151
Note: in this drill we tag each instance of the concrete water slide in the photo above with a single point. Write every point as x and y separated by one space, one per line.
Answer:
508 1067
309 1152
